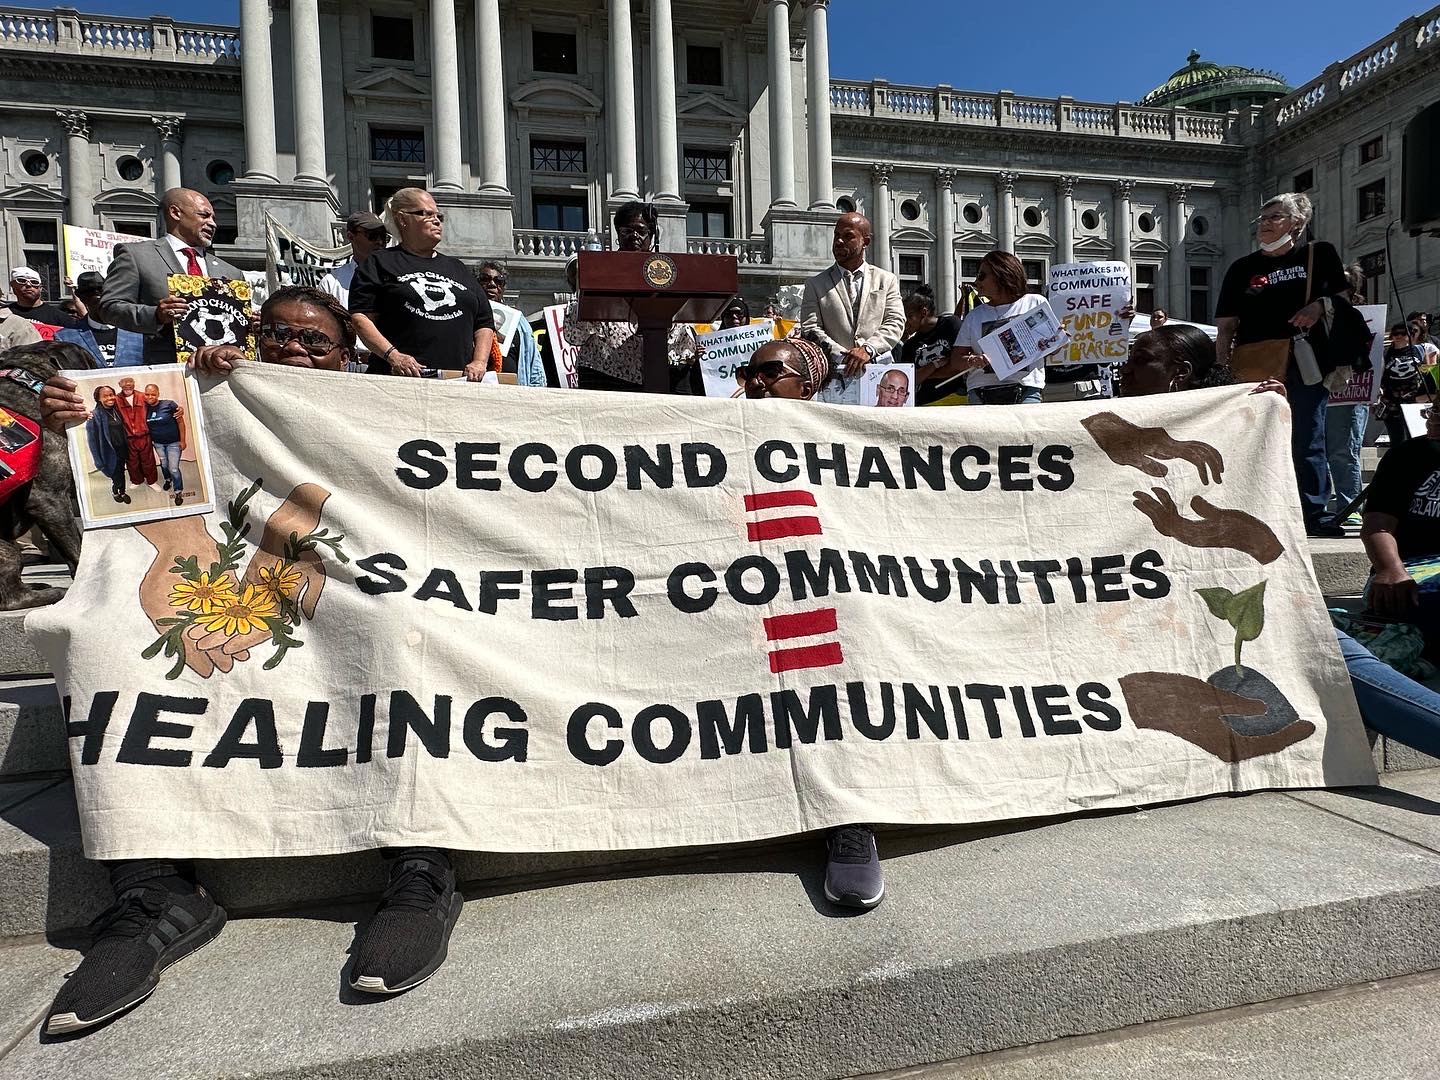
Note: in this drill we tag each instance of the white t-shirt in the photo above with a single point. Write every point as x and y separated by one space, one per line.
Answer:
986 318
337 281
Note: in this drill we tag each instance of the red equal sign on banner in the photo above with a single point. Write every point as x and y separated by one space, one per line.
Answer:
817 623
778 528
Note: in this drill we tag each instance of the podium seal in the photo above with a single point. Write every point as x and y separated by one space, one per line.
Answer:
659 271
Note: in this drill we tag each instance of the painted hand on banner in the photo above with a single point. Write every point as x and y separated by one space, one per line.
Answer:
1205 715
1217 528
213 618
1145 448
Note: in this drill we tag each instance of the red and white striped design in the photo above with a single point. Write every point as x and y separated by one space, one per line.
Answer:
808 636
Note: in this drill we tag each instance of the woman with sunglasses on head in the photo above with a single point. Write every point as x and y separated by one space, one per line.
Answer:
416 310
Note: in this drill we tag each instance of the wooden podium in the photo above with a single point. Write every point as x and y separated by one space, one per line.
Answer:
654 289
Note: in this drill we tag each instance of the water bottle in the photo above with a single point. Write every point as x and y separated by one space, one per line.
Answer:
1305 360
593 242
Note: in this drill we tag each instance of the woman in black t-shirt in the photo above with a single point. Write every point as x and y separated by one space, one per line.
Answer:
418 311
1271 295
929 341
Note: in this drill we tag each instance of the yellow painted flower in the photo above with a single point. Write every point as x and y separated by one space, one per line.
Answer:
204 595
243 615
240 290
280 580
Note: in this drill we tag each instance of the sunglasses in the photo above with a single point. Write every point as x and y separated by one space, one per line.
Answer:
426 215
312 341
374 235
496 279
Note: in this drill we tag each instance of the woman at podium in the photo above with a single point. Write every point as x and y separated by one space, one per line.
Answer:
610 353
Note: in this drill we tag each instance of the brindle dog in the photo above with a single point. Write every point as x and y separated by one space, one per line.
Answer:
47 501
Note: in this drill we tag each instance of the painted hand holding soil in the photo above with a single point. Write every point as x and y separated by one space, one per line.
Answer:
1144 448
1217 528
1237 713
209 618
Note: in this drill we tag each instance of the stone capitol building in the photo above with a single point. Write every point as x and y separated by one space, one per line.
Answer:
529 120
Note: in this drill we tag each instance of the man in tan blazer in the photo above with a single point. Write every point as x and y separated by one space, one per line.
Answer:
853 309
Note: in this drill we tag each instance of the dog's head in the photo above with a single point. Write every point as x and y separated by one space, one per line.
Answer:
44 358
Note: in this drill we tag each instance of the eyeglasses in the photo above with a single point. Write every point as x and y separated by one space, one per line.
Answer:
1270 219
486 279
425 215
373 235
312 341
768 372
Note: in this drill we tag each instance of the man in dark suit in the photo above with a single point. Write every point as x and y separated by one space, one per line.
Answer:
137 286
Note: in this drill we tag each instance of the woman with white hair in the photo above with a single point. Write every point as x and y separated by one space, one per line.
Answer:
416 310
1268 297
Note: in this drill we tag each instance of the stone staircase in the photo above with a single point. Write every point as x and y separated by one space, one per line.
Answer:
729 962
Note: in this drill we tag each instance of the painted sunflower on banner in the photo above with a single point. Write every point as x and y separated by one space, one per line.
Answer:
217 612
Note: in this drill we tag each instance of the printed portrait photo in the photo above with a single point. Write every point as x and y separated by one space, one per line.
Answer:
888 386
142 454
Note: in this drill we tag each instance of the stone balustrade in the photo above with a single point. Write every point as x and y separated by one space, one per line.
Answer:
747 252
63 32
945 105
549 243
1408 42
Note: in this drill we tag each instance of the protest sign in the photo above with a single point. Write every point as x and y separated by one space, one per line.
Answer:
567 375
290 259
176 446
888 385
1087 299
722 351
91 249
1023 341
259 283
1364 386
219 314
508 319
568 622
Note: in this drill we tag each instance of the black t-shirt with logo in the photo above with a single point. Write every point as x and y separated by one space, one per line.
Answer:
1407 487
49 314
1264 292
105 340
428 308
931 347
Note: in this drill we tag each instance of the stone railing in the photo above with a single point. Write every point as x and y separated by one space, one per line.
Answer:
746 252
1408 42
547 243
945 105
65 32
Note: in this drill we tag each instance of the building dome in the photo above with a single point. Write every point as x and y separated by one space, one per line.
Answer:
1210 87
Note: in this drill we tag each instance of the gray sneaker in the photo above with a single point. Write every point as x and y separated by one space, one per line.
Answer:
853 877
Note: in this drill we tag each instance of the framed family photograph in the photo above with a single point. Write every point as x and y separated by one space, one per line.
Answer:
142 455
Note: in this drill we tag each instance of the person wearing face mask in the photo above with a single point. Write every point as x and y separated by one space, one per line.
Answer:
1267 298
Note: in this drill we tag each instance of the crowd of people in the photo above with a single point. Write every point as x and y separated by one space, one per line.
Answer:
402 307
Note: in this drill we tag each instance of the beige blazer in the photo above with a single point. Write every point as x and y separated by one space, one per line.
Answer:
828 312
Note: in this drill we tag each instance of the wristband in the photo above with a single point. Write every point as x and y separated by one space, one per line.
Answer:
386 355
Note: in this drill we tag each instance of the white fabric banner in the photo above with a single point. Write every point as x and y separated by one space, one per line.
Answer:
290 259
534 620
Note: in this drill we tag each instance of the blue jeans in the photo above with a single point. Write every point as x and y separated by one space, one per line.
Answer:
1307 446
1391 703
1344 436
170 463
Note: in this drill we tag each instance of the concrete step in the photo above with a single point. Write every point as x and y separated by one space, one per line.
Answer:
1341 566
1014 938
1380 1031
32 730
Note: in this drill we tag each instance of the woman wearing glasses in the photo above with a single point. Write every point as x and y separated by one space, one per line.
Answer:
1268 297
416 309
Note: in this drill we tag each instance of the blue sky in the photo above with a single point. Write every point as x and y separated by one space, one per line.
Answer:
1103 50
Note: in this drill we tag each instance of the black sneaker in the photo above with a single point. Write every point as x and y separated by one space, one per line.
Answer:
407 938
1325 530
147 929
853 877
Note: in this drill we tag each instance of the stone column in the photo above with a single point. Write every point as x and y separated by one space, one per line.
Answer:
945 226
493 173
782 121
623 154
445 97
168 128
309 92
667 132
1065 217
1234 240
817 82
1179 284
880 218
1123 189
79 178
1005 209
257 88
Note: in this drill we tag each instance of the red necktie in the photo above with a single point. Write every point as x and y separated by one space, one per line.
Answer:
192 264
